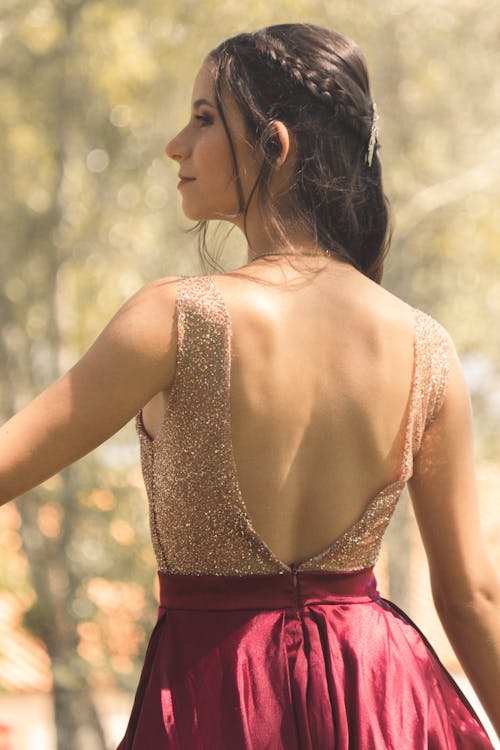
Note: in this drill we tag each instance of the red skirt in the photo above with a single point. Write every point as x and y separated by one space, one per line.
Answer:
315 661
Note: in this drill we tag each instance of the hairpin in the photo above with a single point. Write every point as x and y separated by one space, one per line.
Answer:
373 137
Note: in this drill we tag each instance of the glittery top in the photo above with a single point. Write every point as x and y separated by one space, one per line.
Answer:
199 523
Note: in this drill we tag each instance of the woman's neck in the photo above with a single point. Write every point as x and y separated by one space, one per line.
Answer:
294 245
291 239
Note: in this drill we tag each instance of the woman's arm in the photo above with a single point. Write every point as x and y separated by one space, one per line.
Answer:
132 360
465 585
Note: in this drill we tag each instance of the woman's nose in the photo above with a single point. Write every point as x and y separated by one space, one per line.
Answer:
176 149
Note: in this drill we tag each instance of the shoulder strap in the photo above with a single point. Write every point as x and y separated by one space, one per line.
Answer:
430 377
203 344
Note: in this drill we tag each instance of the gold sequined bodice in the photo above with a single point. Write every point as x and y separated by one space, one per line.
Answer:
199 523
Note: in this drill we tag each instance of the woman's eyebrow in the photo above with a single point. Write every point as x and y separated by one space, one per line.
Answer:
200 102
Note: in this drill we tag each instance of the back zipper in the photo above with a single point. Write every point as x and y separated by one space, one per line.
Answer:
294 567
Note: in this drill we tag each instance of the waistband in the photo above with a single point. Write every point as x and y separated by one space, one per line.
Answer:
268 591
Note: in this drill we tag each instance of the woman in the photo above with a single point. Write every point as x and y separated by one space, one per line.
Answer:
282 409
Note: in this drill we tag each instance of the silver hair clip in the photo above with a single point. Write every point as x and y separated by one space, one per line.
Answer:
373 137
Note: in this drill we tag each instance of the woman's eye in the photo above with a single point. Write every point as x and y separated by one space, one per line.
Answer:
204 119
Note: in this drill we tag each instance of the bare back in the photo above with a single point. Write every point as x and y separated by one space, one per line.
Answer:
321 374
321 368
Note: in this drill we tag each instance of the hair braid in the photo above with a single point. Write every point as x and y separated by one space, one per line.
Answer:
315 81
323 87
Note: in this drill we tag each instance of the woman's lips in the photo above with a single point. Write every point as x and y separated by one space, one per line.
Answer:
184 181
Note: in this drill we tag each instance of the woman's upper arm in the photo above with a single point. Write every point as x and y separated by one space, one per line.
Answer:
444 493
131 360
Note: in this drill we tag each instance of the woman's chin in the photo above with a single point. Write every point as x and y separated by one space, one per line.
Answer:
191 213
194 215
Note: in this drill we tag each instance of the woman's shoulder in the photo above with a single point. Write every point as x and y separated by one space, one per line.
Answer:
157 296
391 307
145 322
245 291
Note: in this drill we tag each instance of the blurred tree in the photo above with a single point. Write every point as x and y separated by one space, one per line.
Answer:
32 337
90 93
60 134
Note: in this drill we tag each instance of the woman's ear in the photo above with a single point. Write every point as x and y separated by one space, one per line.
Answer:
283 140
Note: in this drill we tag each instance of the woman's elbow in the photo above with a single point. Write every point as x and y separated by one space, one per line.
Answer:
476 598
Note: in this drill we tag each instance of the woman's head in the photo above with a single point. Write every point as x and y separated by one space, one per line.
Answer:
209 159
313 81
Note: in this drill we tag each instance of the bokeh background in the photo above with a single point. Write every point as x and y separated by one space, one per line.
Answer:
90 92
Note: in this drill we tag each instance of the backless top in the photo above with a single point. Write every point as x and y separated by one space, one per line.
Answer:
199 523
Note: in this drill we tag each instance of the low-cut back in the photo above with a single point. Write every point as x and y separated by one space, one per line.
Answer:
249 651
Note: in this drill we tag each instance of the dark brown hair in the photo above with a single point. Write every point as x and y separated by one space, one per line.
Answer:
316 82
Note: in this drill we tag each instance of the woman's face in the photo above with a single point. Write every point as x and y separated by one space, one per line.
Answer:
203 154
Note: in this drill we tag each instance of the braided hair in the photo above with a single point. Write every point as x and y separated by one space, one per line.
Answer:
315 81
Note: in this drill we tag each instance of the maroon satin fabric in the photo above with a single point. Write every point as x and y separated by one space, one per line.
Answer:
275 662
